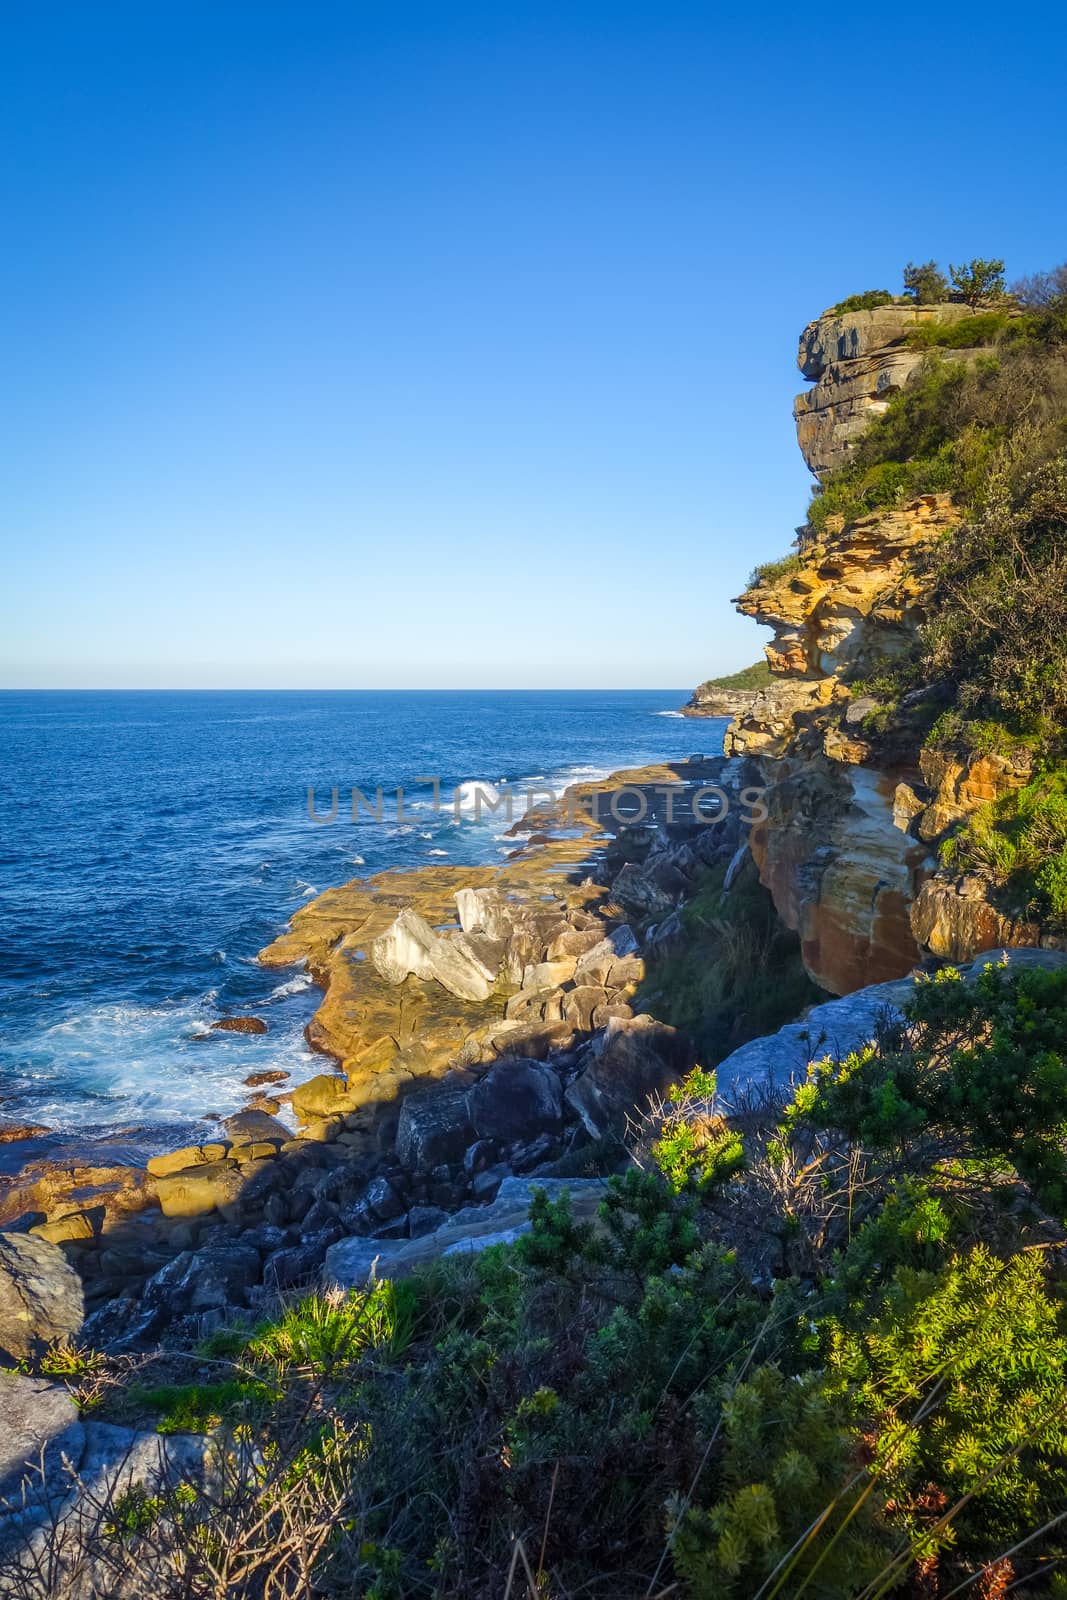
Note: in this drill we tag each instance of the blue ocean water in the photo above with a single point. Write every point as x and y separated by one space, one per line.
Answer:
151 843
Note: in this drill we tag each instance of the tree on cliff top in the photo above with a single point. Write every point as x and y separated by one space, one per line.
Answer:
978 281
926 284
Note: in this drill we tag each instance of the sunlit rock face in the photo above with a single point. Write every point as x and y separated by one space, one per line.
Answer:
848 848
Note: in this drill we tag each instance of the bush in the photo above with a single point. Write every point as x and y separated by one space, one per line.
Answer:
868 301
758 676
774 571
981 1071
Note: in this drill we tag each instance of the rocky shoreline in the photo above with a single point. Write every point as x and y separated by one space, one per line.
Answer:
481 1025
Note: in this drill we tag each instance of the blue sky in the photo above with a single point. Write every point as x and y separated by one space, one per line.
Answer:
359 345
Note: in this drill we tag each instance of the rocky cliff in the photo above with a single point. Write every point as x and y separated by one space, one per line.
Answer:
855 363
848 846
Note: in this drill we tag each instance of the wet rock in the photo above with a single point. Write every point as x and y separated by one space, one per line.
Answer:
10 1132
514 1099
240 1025
433 1128
41 1297
256 1080
255 1127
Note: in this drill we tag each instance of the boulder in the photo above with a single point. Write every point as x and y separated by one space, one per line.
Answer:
411 948
209 1279
382 1200
255 1127
324 1095
638 889
632 1059
432 1129
76 1227
256 1080
190 1155
198 1190
515 1100
40 1296
484 911
838 1027
240 1025
39 1424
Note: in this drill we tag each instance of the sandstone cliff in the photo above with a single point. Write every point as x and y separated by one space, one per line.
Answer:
848 847
856 362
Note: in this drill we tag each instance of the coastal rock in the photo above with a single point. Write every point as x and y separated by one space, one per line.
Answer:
433 1128
198 1190
190 1155
255 1127
629 1061
12 1132
40 1297
514 1100
484 911
837 1028
240 1025
410 948
857 361
350 1263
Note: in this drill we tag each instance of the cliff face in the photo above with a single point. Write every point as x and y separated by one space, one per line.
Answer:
856 363
848 847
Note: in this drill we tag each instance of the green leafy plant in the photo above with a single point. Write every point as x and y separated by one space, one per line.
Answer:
926 284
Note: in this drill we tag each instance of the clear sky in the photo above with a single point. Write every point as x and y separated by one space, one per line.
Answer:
359 345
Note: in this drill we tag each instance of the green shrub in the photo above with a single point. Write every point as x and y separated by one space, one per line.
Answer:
984 327
758 676
1021 842
325 1332
869 300
983 1066
959 1378
773 571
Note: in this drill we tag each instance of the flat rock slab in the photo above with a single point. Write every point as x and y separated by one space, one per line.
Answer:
838 1027
351 1263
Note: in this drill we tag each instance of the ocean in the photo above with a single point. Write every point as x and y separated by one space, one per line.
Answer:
151 843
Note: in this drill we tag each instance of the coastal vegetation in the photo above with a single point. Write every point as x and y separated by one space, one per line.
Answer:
818 1350
757 676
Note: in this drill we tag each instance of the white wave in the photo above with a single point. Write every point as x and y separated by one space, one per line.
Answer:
356 861
437 852
666 713
297 985
475 795
425 835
